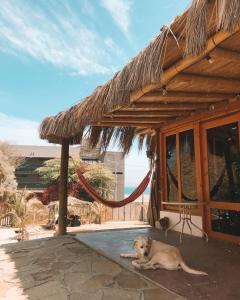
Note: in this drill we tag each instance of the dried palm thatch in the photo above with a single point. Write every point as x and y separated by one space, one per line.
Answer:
189 33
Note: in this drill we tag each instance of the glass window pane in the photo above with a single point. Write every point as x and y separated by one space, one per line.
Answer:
172 178
225 221
187 161
224 163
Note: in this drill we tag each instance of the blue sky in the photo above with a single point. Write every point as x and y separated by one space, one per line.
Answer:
55 52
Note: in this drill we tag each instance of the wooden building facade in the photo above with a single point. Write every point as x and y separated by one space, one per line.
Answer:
181 96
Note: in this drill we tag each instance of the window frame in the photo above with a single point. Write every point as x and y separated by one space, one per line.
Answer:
164 135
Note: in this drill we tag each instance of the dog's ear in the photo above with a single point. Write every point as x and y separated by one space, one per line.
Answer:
149 243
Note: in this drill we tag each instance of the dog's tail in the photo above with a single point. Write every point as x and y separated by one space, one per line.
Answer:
187 269
128 255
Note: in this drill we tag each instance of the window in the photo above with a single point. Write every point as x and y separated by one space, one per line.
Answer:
224 163
187 163
171 164
180 167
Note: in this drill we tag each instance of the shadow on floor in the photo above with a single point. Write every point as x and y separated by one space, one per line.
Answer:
64 269
219 259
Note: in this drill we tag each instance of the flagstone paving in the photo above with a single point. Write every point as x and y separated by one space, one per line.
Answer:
62 268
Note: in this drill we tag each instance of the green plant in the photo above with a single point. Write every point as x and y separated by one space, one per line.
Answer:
50 171
101 179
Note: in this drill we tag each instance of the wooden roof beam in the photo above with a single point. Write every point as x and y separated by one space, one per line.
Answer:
125 124
167 107
186 81
179 96
142 113
145 131
225 54
183 64
132 119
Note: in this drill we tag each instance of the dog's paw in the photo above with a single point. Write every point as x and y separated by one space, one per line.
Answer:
126 255
136 265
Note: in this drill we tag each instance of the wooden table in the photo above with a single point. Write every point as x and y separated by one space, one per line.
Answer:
185 216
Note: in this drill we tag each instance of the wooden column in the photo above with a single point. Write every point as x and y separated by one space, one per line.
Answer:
63 188
158 173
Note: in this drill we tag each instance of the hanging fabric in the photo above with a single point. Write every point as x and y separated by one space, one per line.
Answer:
113 204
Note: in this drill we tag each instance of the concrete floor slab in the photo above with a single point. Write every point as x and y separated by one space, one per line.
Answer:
220 260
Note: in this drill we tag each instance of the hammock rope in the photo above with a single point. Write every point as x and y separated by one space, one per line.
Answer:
111 203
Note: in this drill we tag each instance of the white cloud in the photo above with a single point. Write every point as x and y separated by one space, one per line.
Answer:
19 131
54 33
120 11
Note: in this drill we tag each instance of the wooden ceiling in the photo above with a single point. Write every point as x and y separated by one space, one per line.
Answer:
215 79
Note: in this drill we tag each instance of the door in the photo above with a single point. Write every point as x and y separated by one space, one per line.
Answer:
221 177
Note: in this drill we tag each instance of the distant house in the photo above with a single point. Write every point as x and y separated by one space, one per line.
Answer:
35 156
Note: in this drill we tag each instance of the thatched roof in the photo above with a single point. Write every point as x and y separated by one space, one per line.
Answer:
178 46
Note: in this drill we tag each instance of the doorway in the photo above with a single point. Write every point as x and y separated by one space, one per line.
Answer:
220 141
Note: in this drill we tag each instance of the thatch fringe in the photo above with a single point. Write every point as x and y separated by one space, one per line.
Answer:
196 28
196 24
228 12
225 17
123 137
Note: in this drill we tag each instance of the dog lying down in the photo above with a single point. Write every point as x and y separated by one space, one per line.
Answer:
153 254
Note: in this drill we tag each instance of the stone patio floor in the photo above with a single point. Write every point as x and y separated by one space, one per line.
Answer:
63 268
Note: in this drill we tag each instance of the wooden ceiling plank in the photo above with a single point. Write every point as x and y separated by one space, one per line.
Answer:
167 106
179 96
125 124
136 119
142 113
190 82
224 54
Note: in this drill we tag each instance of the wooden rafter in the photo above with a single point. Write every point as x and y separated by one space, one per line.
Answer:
190 81
225 54
126 124
178 96
183 64
167 107
134 119
225 107
142 113
143 131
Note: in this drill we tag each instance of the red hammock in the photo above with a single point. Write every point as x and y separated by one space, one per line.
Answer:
139 190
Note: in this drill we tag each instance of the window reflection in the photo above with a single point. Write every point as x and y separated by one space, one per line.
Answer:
171 160
224 163
225 221
187 161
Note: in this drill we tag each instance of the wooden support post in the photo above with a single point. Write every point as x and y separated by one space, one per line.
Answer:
63 188
158 170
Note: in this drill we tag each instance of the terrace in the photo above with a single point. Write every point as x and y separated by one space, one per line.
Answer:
180 96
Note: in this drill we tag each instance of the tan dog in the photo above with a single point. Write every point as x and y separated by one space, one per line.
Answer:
153 254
